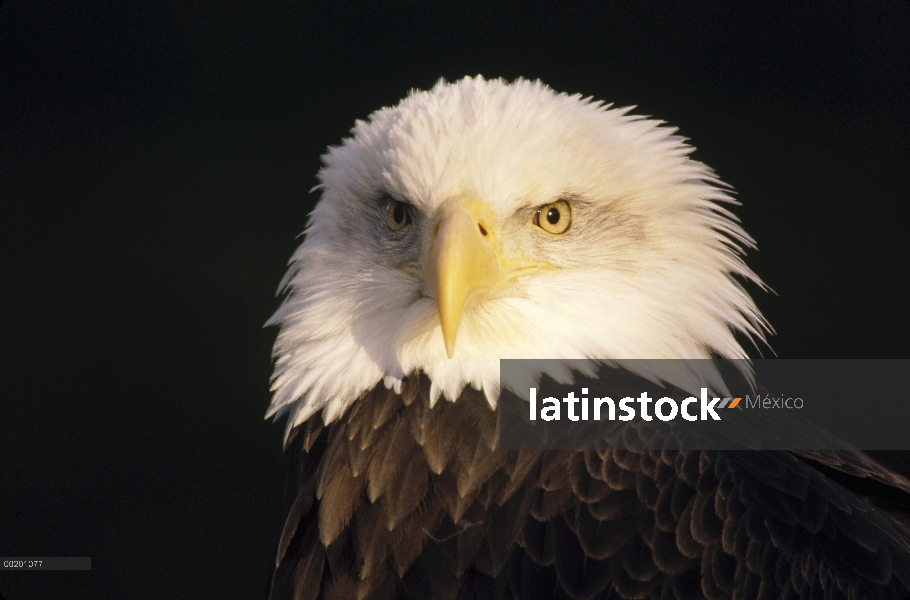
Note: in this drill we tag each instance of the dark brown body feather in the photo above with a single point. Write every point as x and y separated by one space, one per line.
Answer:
398 500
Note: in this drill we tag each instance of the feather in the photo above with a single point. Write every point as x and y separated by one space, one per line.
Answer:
359 456
438 450
549 503
301 507
385 408
666 554
615 506
537 540
581 576
430 577
706 526
343 494
503 533
685 541
409 539
399 453
401 499
447 489
310 432
478 471
601 539
375 482
627 586
617 477
681 497
646 489
525 462
372 539
663 515
308 575
711 589
468 541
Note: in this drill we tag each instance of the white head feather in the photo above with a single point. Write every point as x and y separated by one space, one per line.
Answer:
649 271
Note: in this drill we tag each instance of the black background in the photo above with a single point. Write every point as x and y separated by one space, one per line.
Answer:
155 162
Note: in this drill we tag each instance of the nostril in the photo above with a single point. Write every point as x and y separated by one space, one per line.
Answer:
483 231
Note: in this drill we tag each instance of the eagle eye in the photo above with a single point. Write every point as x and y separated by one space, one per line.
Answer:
397 215
555 218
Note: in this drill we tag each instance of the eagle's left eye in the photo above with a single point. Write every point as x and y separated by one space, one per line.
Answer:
397 215
555 218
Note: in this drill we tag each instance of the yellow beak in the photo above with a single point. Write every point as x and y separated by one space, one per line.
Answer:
463 261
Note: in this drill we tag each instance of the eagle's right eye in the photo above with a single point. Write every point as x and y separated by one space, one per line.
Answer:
397 215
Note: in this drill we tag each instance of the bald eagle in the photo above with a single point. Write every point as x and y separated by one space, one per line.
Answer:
483 220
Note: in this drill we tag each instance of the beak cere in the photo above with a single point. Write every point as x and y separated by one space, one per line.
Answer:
463 261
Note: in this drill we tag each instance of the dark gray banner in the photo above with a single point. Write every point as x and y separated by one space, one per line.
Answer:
45 563
766 404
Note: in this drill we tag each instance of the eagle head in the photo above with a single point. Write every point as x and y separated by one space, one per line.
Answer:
483 220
